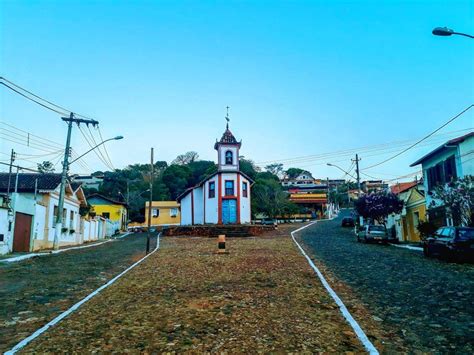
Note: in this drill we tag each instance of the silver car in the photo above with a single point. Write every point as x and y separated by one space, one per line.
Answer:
373 233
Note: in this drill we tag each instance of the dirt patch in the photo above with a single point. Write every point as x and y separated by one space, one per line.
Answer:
261 297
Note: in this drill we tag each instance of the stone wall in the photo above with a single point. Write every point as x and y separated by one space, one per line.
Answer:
215 230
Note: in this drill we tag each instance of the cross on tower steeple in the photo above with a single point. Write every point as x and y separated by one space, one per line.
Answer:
227 117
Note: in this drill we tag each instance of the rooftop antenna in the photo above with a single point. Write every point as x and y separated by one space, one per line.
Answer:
227 117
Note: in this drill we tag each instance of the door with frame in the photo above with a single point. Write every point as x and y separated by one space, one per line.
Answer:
22 233
229 211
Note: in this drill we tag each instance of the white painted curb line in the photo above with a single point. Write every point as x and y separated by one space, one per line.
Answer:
342 307
407 247
63 315
32 255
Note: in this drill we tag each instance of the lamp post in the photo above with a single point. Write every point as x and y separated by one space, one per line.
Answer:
66 164
444 32
345 172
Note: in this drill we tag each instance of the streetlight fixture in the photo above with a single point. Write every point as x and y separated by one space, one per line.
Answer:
444 32
66 165
345 172
98 145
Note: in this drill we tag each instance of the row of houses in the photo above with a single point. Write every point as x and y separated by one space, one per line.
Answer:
29 206
453 159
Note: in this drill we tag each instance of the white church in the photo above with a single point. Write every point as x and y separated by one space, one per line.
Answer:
224 197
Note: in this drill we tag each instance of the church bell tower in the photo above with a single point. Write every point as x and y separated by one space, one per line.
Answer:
227 150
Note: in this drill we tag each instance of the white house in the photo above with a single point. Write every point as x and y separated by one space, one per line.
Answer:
453 159
223 197
32 207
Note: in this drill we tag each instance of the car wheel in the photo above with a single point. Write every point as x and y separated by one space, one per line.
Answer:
426 251
365 240
358 239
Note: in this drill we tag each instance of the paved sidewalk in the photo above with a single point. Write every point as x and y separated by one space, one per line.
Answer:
261 297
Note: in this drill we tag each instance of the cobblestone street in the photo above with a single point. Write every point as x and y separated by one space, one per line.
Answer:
425 303
34 291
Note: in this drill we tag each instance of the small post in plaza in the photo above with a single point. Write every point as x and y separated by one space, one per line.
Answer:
221 244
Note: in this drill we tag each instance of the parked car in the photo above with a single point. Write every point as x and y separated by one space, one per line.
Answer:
451 243
374 233
348 222
268 222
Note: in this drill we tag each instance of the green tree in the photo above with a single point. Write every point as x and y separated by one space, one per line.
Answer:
275 169
176 178
185 158
45 167
248 167
458 197
269 198
294 172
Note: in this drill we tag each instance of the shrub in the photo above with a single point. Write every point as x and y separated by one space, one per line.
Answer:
426 228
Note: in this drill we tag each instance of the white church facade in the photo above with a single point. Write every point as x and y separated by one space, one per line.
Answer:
224 197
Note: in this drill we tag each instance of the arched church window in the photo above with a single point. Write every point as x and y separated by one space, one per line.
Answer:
228 157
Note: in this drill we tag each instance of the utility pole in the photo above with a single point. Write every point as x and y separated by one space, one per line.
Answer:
150 200
12 160
67 152
358 173
361 219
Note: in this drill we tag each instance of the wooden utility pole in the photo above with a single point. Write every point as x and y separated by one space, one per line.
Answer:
150 200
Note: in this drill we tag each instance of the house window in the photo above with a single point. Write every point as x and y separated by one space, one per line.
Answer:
55 214
155 212
441 173
106 215
245 189
229 188
212 189
71 220
64 215
173 212
228 158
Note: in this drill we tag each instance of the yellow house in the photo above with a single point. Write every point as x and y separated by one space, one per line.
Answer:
415 208
115 211
163 213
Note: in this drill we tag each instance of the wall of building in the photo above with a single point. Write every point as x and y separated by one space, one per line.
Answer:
4 245
186 217
198 205
164 217
211 209
465 162
245 203
117 213
221 157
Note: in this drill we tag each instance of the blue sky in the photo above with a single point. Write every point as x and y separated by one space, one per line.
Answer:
301 77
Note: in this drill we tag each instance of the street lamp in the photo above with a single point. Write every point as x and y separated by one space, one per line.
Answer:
444 31
98 145
66 164
347 173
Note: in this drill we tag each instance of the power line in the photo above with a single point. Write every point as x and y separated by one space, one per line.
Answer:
105 148
31 134
31 99
365 149
421 140
65 111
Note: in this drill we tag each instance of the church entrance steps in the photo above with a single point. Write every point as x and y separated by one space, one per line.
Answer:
229 230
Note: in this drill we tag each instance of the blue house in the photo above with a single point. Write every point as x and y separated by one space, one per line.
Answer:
454 159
